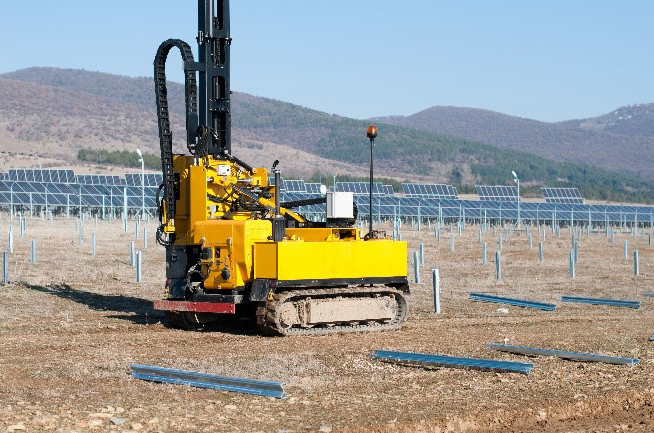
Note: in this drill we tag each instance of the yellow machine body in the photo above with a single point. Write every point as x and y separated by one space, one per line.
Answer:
244 245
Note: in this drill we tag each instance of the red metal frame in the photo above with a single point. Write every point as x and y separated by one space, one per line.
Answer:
196 307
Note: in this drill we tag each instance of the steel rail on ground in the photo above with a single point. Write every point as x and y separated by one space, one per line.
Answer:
453 361
576 356
602 301
203 380
511 301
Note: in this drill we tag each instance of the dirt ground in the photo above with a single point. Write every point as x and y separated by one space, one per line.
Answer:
72 323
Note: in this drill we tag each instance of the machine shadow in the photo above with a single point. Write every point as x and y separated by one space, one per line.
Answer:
136 310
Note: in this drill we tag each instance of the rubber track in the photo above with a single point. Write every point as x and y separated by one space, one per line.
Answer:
269 325
165 133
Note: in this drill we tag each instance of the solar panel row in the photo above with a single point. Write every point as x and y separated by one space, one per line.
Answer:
497 192
41 175
26 193
360 188
99 179
429 190
562 195
448 208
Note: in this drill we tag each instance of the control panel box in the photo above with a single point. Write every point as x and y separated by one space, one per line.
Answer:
340 205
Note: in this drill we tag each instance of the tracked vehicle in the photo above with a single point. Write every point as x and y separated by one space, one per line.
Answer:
232 245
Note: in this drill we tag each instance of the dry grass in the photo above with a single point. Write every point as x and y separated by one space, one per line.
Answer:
71 325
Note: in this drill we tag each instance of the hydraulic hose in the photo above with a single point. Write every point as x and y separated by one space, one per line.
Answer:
165 133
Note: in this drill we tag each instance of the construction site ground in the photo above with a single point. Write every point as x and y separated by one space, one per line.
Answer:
72 323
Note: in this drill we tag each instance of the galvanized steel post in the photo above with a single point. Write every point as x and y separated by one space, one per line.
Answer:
138 267
437 290
483 254
636 267
5 267
625 250
572 264
33 251
498 265
11 239
131 253
540 251
452 243
93 244
416 267
422 254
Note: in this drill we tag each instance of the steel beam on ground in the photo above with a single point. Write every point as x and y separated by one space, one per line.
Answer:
511 301
576 356
203 380
453 361
602 301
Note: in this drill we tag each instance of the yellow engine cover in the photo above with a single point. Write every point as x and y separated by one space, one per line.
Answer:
324 260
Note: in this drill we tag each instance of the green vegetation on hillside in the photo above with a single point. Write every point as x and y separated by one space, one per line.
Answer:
123 158
419 152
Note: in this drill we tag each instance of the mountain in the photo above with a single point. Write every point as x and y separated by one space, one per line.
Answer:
629 121
56 112
622 140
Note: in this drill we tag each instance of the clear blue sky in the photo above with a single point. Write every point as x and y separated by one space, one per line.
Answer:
549 60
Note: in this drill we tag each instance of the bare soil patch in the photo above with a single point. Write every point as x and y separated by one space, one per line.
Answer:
71 324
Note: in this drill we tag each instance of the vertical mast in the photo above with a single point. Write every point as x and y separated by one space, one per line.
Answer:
214 89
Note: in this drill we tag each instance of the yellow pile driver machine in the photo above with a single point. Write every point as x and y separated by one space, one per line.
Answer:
232 246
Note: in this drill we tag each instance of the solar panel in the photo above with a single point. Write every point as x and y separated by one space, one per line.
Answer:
497 192
388 189
429 190
313 188
294 186
562 195
360 188
150 179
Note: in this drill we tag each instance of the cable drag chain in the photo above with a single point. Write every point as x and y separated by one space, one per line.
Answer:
575 356
453 361
510 301
602 301
203 380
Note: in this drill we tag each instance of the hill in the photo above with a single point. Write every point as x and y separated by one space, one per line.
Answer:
62 111
622 140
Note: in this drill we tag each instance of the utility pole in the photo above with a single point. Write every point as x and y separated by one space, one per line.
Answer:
372 134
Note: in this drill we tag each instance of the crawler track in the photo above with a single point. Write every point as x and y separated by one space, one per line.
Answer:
269 320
